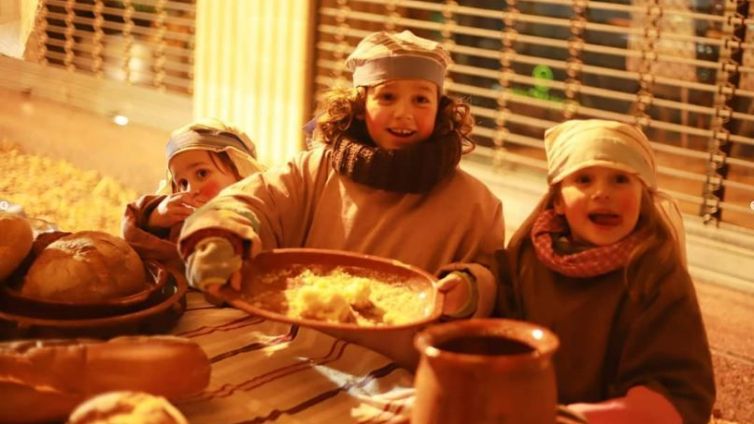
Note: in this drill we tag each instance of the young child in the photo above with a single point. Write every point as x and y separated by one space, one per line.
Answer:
598 262
381 179
202 158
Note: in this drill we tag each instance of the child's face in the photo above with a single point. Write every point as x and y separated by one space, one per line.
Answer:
601 204
195 171
401 112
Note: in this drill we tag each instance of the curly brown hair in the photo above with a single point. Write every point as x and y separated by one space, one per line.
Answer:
340 109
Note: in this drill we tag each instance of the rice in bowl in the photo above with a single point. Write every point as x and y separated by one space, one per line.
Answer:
340 295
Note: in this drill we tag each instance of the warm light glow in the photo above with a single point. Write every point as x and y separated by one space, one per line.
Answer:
538 334
121 120
253 72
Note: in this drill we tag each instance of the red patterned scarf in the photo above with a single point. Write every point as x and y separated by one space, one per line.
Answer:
587 263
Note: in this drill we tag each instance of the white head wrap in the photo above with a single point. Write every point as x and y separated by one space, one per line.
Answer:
579 144
212 135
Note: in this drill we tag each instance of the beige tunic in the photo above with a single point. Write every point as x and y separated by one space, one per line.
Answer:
305 203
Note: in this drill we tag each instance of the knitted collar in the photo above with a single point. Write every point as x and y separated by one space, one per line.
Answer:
565 258
413 169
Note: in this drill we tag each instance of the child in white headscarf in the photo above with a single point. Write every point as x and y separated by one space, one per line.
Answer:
600 262
203 157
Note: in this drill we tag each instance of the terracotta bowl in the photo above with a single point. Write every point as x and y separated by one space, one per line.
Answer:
12 301
283 263
391 340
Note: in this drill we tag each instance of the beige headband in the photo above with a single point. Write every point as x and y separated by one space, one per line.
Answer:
579 144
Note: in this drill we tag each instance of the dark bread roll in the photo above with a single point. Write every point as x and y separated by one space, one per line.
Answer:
126 407
44 380
16 237
87 266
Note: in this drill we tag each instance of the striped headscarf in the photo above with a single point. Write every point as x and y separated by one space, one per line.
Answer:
383 56
212 135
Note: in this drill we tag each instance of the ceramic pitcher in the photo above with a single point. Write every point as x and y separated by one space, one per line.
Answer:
485 371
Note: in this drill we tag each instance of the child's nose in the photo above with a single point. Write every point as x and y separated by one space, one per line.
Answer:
403 109
601 190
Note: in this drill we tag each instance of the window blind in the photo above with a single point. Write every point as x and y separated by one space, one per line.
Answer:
682 71
146 43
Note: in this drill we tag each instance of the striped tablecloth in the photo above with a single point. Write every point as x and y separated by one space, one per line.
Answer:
265 372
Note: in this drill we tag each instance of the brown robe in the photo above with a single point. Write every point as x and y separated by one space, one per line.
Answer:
157 246
609 342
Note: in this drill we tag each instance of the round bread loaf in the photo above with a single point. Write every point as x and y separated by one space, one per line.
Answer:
126 407
16 237
44 380
87 266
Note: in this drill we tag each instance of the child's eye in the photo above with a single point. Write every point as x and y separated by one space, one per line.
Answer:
182 184
386 96
583 179
622 179
202 173
422 100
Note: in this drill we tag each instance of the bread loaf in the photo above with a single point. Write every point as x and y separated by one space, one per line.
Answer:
16 237
43 381
87 266
126 407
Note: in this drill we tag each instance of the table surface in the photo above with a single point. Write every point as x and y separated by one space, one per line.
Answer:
265 371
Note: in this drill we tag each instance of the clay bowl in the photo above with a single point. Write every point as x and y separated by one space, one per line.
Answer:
157 315
12 301
390 340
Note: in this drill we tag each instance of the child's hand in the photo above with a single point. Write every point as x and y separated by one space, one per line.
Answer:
175 208
213 263
460 294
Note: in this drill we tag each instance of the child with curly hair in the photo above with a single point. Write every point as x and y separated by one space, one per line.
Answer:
382 179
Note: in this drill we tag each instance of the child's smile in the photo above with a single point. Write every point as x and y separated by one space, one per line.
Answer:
401 132
605 218
401 112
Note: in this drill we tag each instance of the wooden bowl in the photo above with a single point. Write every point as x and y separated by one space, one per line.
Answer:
155 316
11 300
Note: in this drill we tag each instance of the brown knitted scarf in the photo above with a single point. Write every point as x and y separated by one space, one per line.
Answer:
583 263
414 169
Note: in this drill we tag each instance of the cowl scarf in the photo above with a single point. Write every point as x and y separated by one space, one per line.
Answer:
413 169
590 262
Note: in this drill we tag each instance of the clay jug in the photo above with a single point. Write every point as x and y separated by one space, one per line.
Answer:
485 371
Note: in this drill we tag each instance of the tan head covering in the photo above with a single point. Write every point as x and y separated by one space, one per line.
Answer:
383 56
212 135
579 144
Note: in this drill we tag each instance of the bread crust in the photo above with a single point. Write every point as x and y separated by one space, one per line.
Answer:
126 406
16 237
87 266
43 380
